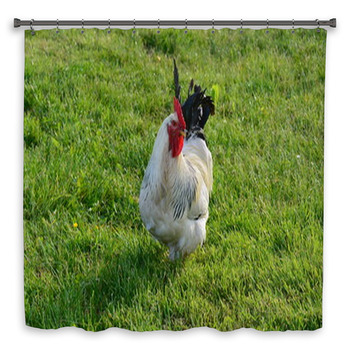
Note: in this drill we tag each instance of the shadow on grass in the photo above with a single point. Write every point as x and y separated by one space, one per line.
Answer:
125 278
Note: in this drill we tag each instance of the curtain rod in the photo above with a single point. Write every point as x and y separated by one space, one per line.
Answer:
176 23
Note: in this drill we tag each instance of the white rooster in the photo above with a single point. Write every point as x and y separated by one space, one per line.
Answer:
175 190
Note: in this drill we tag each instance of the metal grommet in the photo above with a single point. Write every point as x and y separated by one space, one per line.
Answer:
293 31
267 26
134 30
82 26
109 27
318 25
213 29
31 26
241 31
158 31
57 29
186 26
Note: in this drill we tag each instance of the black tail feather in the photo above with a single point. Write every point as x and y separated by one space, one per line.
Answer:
176 81
197 107
190 88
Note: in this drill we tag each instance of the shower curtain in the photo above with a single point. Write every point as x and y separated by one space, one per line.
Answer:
94 103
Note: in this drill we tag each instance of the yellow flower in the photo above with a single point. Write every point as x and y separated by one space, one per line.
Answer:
75 225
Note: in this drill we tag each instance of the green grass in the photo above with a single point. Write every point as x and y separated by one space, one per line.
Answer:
93 105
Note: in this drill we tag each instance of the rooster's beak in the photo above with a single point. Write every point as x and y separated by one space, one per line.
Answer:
183 133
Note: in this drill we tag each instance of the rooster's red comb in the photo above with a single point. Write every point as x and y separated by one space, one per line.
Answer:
178 110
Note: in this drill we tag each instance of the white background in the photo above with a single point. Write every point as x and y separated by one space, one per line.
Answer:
336 320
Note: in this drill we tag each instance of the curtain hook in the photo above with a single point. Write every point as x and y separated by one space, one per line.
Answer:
213 29
267 26
109 27
31 26
158 31
82 26
241 31
293 26
134 30
185 26
57 29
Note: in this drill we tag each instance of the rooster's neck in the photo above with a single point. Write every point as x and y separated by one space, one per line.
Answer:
162 163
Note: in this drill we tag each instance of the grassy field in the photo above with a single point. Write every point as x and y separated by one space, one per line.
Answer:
93 104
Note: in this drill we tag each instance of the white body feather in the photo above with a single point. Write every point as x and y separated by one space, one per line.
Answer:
174 195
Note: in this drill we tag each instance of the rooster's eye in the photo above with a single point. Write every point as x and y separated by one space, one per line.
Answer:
173 123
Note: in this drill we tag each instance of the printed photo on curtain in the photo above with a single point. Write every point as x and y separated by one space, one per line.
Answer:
174 179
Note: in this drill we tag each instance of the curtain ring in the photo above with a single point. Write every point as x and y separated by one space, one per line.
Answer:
158 31
134 30
241 31
31 26
267 26
318 25
57 29
109 27
185 26
213 29
293 26
82 26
